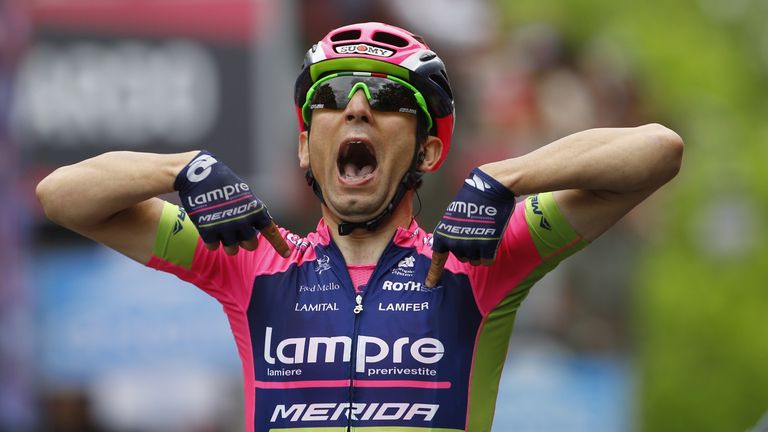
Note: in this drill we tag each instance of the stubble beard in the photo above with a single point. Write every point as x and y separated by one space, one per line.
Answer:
355 209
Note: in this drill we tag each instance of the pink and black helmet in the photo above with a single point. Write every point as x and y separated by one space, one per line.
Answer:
383 48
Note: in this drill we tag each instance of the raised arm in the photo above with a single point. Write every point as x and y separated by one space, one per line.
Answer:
111 198
599 175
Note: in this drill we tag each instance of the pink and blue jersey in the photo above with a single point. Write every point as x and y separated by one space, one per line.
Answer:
395 356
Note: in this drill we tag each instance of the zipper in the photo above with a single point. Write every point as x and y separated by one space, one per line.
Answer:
357 310
342 275
353 359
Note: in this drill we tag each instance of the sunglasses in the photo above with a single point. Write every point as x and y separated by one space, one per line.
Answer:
384 93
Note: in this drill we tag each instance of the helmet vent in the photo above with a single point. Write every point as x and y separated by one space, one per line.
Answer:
441 80
390 39
346 35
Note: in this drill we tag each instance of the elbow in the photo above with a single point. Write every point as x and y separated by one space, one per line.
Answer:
668 148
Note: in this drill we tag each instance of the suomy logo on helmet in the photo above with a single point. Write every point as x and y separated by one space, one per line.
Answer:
361 48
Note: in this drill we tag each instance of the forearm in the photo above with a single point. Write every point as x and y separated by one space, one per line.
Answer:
92 191
619 160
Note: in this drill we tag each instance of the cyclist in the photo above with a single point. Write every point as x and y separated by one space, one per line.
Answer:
343 329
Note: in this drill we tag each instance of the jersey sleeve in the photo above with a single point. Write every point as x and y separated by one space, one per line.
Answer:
179 250
536 239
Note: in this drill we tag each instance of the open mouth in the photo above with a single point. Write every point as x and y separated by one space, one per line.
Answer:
356 161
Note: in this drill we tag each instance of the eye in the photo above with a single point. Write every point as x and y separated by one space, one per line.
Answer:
324 97
394 97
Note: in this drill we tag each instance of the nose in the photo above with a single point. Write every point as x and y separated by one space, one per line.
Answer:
358 108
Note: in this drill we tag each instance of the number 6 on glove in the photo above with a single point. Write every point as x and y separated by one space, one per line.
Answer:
473 224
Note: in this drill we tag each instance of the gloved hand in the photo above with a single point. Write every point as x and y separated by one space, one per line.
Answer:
223 208
473 224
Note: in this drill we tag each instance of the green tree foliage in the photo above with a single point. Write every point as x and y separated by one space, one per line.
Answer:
701 291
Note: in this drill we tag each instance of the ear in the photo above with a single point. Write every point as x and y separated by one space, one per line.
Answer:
432 149
304 150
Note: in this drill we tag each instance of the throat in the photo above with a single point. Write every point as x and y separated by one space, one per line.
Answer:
360 275
364 249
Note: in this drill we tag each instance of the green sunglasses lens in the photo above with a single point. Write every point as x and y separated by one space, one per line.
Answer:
384 93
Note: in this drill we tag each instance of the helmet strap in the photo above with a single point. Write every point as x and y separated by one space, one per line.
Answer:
314 185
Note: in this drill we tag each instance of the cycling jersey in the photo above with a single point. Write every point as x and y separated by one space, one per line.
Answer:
397 356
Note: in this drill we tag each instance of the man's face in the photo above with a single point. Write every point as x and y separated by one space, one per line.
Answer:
358 156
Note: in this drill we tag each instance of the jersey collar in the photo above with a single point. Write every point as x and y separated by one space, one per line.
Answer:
404 237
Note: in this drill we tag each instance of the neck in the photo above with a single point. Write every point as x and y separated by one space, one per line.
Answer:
365 247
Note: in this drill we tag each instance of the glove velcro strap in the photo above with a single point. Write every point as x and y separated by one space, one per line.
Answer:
487 184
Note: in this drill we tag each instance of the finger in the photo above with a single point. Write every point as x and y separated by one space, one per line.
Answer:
229 241
247 237
436 268
210 240
272 234
250 244
475 258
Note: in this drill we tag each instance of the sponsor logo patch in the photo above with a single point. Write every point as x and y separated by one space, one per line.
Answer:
471 210
228 213
404 307
316 307
405 267
544 223
322 264
354 411
462 230
179 223
221 194
332 286
477 183
300 243
403 286
362 48
370 350
407 262
200 168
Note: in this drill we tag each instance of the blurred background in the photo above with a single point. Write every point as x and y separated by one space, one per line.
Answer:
660 325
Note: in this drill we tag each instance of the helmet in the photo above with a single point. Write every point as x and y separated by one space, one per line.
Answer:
377 47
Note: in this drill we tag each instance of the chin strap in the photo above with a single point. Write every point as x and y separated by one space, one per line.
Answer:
410 180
